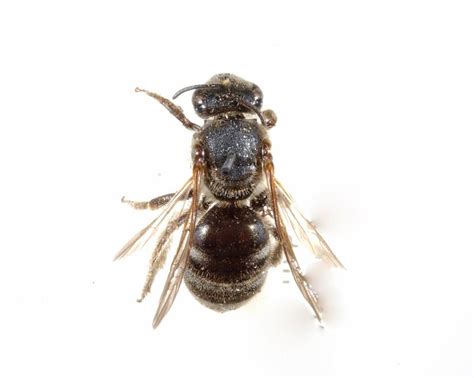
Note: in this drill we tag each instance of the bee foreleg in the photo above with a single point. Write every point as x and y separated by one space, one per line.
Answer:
175 110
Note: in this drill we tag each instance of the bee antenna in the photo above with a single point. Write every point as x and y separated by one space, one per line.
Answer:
257 111
193 87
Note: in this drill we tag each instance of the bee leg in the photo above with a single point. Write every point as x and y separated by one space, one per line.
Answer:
158 257
174 109
153 204
277 252
262 204
156 262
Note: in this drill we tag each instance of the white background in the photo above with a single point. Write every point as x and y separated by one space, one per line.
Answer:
374 140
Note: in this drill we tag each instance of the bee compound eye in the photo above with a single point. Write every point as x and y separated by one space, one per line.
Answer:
257 96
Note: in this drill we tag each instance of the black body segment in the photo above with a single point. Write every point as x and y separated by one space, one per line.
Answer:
230 257
232 146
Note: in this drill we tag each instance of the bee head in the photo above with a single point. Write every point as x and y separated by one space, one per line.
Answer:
224 93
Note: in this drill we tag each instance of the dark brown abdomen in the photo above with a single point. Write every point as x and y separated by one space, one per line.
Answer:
228 261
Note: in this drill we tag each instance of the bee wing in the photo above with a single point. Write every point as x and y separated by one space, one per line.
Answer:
285 241
303 229
155 229
178 266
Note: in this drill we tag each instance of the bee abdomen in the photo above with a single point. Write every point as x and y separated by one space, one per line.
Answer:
223 291
229 259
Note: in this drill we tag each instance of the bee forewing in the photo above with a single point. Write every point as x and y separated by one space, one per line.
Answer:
303 229
178 266
300 280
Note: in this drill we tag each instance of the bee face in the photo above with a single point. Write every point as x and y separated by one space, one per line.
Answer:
232 150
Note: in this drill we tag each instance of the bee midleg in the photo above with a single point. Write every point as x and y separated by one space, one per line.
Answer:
153 204
158 257
261 203
276 251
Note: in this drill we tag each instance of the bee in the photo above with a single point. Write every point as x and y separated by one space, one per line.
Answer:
234 219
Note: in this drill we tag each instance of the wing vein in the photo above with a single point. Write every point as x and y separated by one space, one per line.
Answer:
295 269
178 266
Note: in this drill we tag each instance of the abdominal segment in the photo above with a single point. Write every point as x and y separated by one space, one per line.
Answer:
229 259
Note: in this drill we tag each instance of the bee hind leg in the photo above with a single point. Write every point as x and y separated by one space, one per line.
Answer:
153 204
159 254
